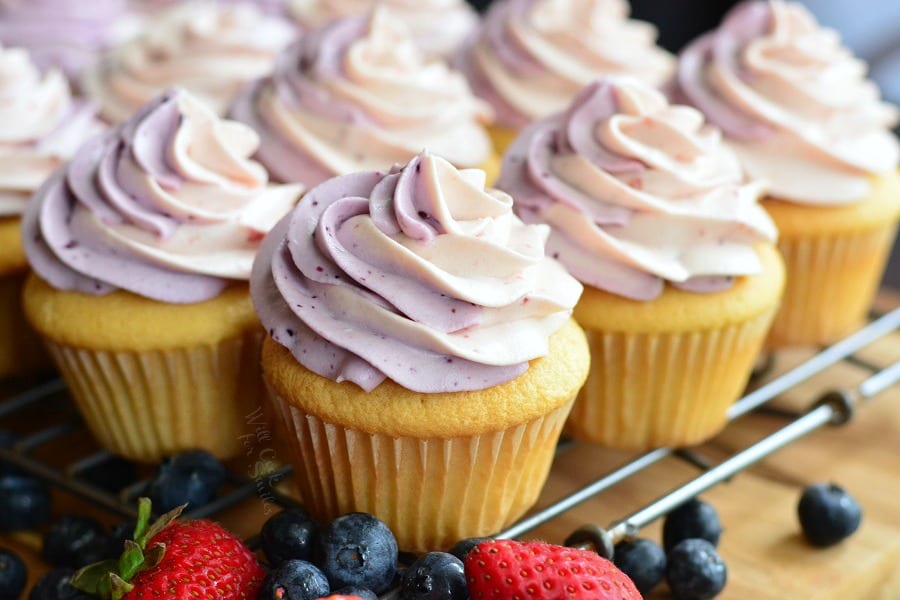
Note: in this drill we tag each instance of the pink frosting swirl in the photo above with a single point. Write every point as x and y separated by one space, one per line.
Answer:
533 56
637 193
794 103
420 275
166 205
358 95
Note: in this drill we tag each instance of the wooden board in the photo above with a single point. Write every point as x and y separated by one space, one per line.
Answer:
766 556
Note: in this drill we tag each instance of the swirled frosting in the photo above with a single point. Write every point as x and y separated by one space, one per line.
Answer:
419 275
213 50
274 7
534 56
793 102
65 34
439 26
42 127
167 206
358 95
637 193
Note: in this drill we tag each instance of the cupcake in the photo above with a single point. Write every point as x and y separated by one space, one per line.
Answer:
150 7
439 27
213 50
141 248
42 128
420 350
795 106
532 57
358 95
648 209
63 34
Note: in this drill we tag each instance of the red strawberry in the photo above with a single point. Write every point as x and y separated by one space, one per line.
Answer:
176 559
510 570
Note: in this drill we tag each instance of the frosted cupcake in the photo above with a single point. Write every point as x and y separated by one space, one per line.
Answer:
648 209
141 247
439 27
42 128
213 50
150 7
64 34
532 57
358 95
420 351
796 108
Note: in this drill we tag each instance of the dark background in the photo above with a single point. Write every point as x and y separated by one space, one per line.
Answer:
874 34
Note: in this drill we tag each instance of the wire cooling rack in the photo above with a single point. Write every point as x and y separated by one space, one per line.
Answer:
833 408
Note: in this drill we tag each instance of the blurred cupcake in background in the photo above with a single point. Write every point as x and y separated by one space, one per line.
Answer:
150 7
211 49
66 34
42 127
359 95
649 210
532 57
141 249
439 27
796 107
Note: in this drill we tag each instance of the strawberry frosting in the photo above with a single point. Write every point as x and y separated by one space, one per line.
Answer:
420 275
793 102
638 193
167 206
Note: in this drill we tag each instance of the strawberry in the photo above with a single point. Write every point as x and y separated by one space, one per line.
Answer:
538 571
175 559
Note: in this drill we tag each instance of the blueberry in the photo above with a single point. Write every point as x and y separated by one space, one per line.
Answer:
289 535
361 593
693 519
75 542
463 547
358 549
13 574
192 478
643 561
25 503
116 538
828 514
111 475
695 571
294 580
55 586
435 576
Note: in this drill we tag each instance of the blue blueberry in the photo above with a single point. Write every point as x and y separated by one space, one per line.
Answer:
435 576
13 574
828 514
693 519
695 571
192 478
25 503
111 475
289 535
55 586
358 549
643 561
294 580
75 542
115 539
361 593
463 547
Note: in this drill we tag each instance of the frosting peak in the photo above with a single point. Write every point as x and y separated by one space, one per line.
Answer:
167 205
211 49
637 192
420 275
534 56
359 95
793 102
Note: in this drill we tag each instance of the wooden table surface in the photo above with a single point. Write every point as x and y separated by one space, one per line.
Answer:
766 556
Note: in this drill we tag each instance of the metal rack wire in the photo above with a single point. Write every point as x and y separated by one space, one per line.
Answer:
833 408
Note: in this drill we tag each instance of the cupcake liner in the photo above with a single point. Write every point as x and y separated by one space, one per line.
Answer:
149 405
502 137
664 389
831 283
21 350
430 492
